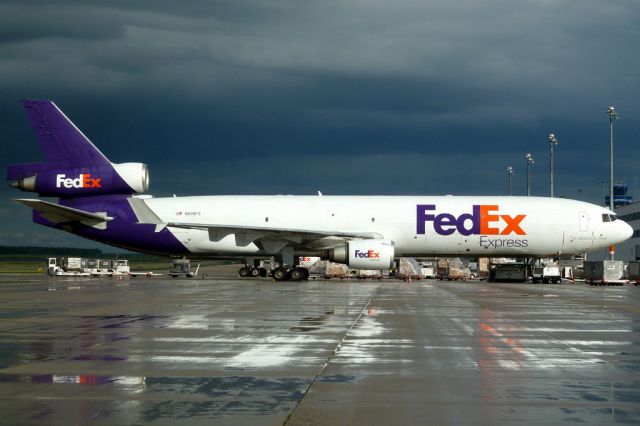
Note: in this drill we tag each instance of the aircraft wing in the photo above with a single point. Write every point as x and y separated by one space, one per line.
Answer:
272 239
62 214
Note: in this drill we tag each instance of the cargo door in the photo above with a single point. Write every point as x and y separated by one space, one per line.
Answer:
584 222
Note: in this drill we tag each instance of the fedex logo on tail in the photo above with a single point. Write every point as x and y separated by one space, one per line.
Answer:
83 181
484 219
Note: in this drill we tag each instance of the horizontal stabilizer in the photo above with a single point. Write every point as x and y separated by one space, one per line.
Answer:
62 214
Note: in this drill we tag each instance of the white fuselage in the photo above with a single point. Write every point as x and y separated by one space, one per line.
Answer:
505 226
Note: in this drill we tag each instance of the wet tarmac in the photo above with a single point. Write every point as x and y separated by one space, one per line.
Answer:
231 351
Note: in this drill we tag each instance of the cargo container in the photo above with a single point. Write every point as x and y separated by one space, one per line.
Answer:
604 272
336 270
634 272
453 269
408 268
362 274
511 272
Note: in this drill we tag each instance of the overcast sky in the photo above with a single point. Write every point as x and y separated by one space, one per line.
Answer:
346 97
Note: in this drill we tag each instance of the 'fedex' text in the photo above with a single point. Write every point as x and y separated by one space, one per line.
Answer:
484 219
369 254
83 181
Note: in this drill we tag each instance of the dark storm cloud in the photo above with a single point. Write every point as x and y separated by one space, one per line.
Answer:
435 97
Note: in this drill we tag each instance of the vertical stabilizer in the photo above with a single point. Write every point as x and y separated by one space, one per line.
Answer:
61 141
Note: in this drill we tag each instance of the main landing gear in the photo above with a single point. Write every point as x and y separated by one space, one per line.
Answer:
279 274
252 272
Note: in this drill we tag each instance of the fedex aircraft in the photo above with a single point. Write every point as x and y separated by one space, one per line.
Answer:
104 201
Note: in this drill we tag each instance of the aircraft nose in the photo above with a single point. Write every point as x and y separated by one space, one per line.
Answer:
626 231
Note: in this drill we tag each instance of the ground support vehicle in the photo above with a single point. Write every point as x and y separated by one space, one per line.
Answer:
604 272
182 268
66 267
510 272
545 274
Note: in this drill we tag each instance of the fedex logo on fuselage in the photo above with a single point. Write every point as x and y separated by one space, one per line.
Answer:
484 219
83 181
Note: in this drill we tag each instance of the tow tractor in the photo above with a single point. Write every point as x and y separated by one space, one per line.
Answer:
545 273
182 268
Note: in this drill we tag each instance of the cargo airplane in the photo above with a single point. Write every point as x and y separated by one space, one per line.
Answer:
104 201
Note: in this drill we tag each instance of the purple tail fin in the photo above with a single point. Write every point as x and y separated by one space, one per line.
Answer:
61 141
73 166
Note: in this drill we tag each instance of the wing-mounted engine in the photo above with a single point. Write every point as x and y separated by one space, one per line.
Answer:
365 254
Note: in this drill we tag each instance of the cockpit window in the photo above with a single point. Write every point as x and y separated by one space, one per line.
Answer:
609 217
613 217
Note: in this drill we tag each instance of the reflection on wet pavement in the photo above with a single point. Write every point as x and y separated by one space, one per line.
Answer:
254 352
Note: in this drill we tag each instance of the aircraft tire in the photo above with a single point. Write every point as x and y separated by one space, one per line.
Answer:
244 272
280 274
297 274
255 272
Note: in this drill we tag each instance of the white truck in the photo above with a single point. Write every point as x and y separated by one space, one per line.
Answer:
545 274
81 267
66 267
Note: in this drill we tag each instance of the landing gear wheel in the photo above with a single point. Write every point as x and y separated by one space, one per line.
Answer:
244 272
255 273
280 274
297 274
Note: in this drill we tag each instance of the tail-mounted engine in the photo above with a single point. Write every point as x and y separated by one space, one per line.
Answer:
49 181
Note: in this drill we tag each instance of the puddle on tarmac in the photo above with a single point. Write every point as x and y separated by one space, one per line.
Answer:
313 323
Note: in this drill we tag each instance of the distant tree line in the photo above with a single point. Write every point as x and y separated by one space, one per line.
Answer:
38 253
50 251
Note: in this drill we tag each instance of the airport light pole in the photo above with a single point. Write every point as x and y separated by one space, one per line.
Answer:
552 142
509 173
580 191
613 115
530 161
601 183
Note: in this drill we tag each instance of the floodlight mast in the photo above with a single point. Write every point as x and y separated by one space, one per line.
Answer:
530 161
509 173
613 116
552 142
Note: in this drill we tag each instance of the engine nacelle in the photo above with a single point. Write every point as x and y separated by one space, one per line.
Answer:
125 178
365 254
